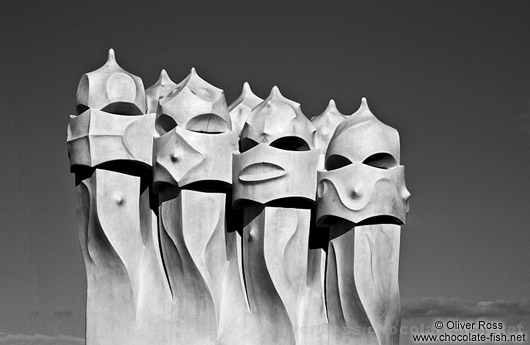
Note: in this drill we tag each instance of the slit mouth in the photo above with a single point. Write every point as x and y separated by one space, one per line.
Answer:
288 202
291 143
123 108
326 221
383 219
259 172
209 186
128 167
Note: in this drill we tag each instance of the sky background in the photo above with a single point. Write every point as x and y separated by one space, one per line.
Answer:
452 76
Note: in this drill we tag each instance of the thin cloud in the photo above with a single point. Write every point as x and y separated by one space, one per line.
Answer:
453 307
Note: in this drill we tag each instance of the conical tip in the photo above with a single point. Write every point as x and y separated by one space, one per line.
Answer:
275 92
112 56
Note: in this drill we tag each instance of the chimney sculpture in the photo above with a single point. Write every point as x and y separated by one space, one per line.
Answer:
201 223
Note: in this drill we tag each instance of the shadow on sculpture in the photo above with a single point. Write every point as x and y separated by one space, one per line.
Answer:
207 223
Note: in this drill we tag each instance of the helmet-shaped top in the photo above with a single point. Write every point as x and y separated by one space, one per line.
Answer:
195 105
362 136
111 89
277 121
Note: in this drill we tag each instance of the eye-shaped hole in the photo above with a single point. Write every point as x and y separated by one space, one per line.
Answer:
290 144
336 162
246 144
381 160
122 108
164 123
81 108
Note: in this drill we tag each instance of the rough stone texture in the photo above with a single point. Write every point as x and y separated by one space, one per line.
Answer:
201 223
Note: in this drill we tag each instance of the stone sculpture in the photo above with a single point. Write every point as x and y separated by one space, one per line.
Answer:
202 223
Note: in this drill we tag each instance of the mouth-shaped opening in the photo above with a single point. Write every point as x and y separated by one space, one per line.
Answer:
123 108
382 219
127 167
291 144
208 123
259 172
209 186
290 202
385 219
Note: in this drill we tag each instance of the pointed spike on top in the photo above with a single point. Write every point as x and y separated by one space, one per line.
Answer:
275 92
111 57
164 78
193 71
332 107
364 103
246 87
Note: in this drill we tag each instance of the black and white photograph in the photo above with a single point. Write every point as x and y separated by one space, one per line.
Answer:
265 172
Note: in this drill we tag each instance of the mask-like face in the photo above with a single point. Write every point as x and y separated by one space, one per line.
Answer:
194 105
363 178
184 157
195 143
111 89
277 159
96 137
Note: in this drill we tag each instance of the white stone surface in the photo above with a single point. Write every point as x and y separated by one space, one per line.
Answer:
196 105
241 247
158 90
110 88
241 108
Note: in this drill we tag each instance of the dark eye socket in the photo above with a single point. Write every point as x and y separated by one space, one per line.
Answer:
164 123
291 144
246 144
381 160
336 162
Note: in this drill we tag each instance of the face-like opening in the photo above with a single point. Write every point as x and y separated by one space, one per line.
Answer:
336 162
384 219
164 124
122 108
207 123
291 144
81 108
246 144
381 160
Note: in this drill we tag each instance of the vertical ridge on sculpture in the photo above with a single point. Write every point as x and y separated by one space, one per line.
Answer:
110 150
325 124
202 223
276 149
192 175
363 199
241 108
